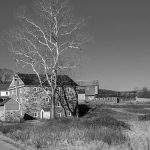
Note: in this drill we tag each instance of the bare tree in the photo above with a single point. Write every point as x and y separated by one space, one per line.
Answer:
48 41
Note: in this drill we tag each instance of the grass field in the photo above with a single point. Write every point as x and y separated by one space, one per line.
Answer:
138 110
119 115
106 127
131 108
67 133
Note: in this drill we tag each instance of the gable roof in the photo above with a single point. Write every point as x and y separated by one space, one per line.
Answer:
4 86
5 101
46 109
32 79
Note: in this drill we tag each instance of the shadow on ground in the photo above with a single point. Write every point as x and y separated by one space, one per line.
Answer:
28 117
83 110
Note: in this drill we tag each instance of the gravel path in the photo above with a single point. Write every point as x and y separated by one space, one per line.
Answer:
5 143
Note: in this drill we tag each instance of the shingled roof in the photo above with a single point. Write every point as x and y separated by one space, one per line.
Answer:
32 79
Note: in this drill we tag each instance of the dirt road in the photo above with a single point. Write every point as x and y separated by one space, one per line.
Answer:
5 145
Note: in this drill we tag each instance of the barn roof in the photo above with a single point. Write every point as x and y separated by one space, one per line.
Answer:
32 79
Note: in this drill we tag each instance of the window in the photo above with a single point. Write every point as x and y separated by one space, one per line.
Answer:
35 89
46 88
47 99
17 100
59 115
4 93
58 104
69 114
35 114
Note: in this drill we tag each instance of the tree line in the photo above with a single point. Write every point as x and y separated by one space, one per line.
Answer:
5 75
143 93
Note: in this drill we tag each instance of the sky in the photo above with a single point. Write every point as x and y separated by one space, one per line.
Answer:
118 55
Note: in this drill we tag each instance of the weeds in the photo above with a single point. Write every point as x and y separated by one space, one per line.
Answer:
67 132
145 117
10 128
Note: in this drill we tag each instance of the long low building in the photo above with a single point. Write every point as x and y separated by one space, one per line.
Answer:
142 100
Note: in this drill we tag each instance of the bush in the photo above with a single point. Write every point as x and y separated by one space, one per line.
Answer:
145 117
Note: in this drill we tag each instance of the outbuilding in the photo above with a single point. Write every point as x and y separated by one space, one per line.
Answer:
45 113
9 110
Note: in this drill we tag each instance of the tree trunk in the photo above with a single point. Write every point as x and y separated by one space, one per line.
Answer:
53 105
53 92
77 104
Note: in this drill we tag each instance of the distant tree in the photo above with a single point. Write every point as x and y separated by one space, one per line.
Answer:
5 75
144 93
136 89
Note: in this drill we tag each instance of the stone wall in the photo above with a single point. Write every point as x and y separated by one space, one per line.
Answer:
2 114
12 116
60 110
33 101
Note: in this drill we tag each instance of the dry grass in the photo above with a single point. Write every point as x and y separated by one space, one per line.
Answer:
98 130
67 133
139 135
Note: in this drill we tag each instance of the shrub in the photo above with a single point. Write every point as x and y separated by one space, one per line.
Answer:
145 117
